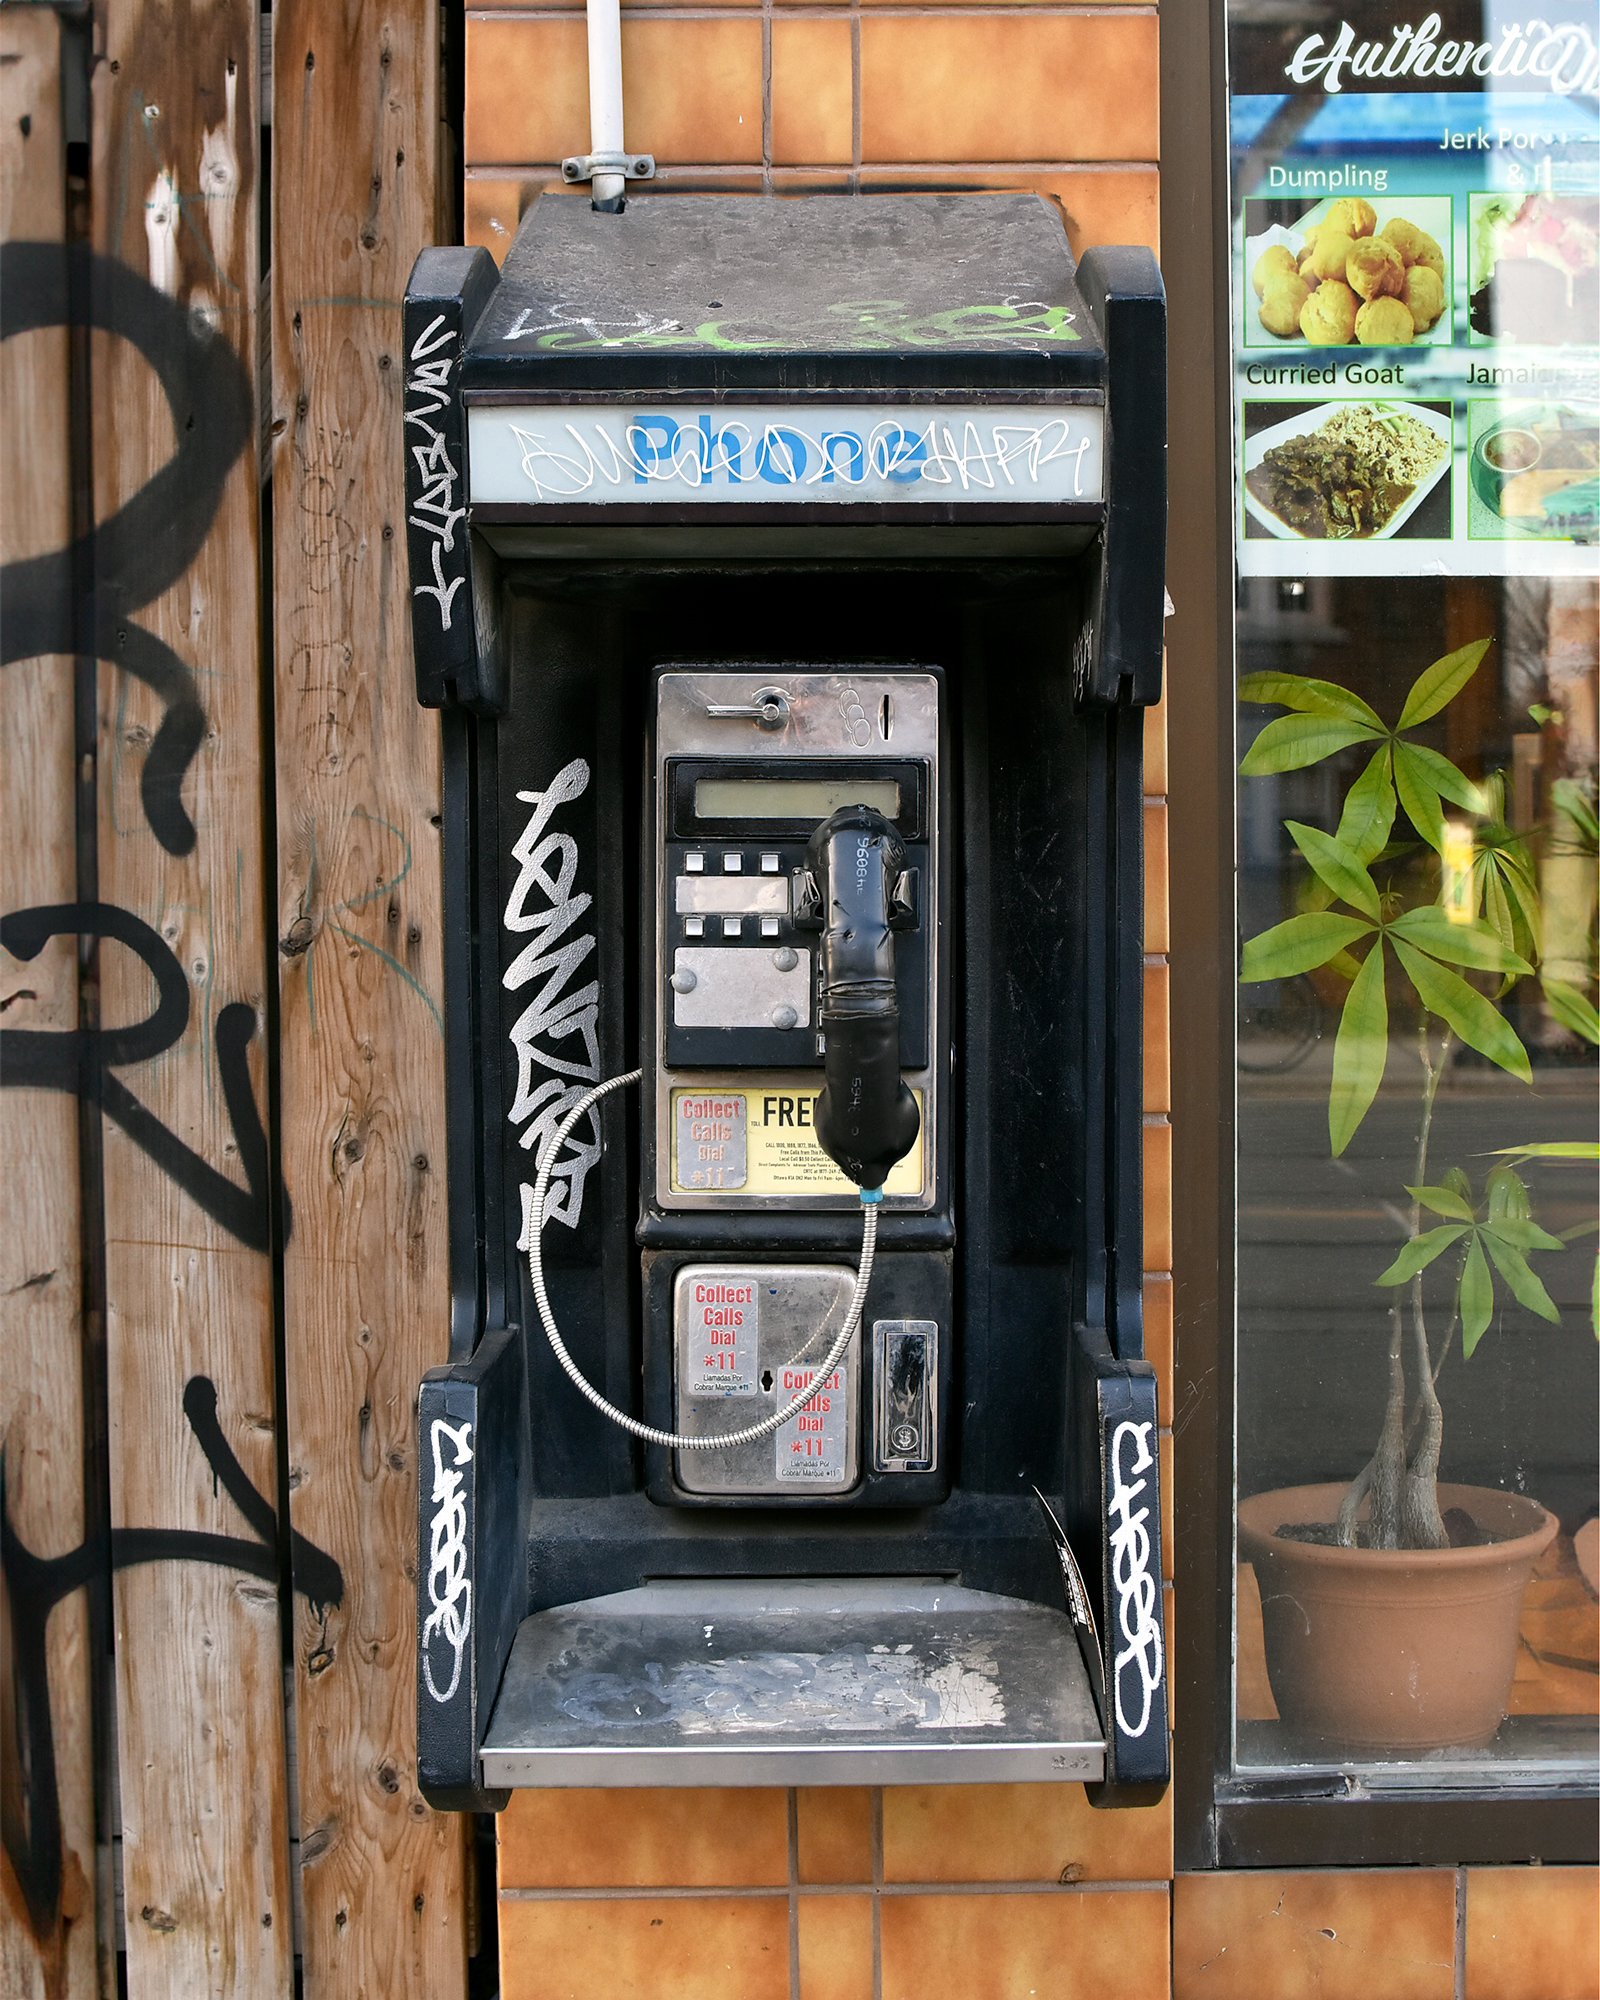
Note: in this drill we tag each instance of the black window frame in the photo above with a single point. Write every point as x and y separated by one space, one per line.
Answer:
1220 1820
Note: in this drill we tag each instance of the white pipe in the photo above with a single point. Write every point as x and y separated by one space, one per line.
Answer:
605 94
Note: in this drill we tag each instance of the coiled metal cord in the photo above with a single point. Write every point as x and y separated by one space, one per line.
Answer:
674 1440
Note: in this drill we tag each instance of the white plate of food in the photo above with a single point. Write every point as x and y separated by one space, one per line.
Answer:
1345 471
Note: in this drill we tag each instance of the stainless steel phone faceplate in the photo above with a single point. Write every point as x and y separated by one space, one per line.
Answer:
724 955
747 1338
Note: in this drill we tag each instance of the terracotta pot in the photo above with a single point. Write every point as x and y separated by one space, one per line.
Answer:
1395 1650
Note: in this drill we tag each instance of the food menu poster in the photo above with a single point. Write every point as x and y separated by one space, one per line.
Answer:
1415 289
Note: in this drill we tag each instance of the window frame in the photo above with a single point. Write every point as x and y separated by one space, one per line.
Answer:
1220 1820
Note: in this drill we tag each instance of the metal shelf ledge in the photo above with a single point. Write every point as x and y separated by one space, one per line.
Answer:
766 1681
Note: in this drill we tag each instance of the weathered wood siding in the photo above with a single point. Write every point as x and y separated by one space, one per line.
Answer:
47 1929
358 939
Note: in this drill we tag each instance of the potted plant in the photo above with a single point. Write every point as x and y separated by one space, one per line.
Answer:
1391 1605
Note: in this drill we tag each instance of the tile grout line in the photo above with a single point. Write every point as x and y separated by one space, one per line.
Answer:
877 1892
896 11
1461 1935
766 96
793 1816
771 1892
855 96
500 170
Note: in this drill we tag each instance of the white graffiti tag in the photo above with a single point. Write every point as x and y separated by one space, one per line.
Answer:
432 488
1138 1592
654 449
547 863
449 1587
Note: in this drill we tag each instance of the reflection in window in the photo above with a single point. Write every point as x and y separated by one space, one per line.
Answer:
1417 1374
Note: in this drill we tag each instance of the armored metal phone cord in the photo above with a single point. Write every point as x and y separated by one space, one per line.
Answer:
870 1197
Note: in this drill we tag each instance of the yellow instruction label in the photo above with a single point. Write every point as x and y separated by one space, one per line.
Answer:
761 1142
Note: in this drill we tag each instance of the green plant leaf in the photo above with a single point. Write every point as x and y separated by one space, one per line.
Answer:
1368 812
1445 778
1334 864
1311 696
1508 1196
1456 1181
1438 685
1443 1201
1496 904
1419 1253
1471 944
1569 798
1510 867
1480 1025
1360 1051
1594 1299
1293 741
1476 1299
1522 1234
1551 1149
1418 795
1520 1276
1581 1229
1298 945
1572 1009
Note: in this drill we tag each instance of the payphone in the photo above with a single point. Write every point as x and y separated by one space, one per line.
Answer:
788 575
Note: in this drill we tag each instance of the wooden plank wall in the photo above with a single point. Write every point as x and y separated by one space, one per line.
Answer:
355 187
165 912
47 1928
189 1315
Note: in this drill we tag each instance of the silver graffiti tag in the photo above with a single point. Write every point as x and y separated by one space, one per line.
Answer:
449 1586
1138 1592
558 1031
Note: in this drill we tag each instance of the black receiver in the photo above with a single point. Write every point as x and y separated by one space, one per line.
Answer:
858 893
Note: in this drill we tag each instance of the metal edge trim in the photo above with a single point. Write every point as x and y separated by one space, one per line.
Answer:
943 1763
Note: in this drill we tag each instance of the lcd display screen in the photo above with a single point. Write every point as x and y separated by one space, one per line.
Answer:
792 798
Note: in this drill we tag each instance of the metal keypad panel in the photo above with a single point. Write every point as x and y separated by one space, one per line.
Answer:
737 974
747 1338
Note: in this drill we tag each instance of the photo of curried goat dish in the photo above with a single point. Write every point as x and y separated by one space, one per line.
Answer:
1347 471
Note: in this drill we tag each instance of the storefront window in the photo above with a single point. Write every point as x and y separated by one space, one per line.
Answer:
1417 487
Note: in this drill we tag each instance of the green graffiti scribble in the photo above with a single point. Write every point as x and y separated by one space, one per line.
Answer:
869 325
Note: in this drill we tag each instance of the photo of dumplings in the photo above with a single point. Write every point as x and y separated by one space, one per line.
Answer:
1332 253
1360 249
1423 293
1277 261
1385 322
1415 245
1281 305
1328 317
1374 270
1355 217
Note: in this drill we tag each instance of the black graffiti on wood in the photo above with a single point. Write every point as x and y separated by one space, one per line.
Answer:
152 538
34 1585
81 1061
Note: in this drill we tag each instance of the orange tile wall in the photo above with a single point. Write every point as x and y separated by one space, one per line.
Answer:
983 1892
850 1894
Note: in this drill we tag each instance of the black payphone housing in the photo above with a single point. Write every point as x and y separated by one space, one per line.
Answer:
731 519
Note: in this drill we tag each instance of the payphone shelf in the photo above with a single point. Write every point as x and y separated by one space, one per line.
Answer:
830 1680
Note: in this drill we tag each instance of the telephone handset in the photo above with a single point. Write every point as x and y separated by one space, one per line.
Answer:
856 892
